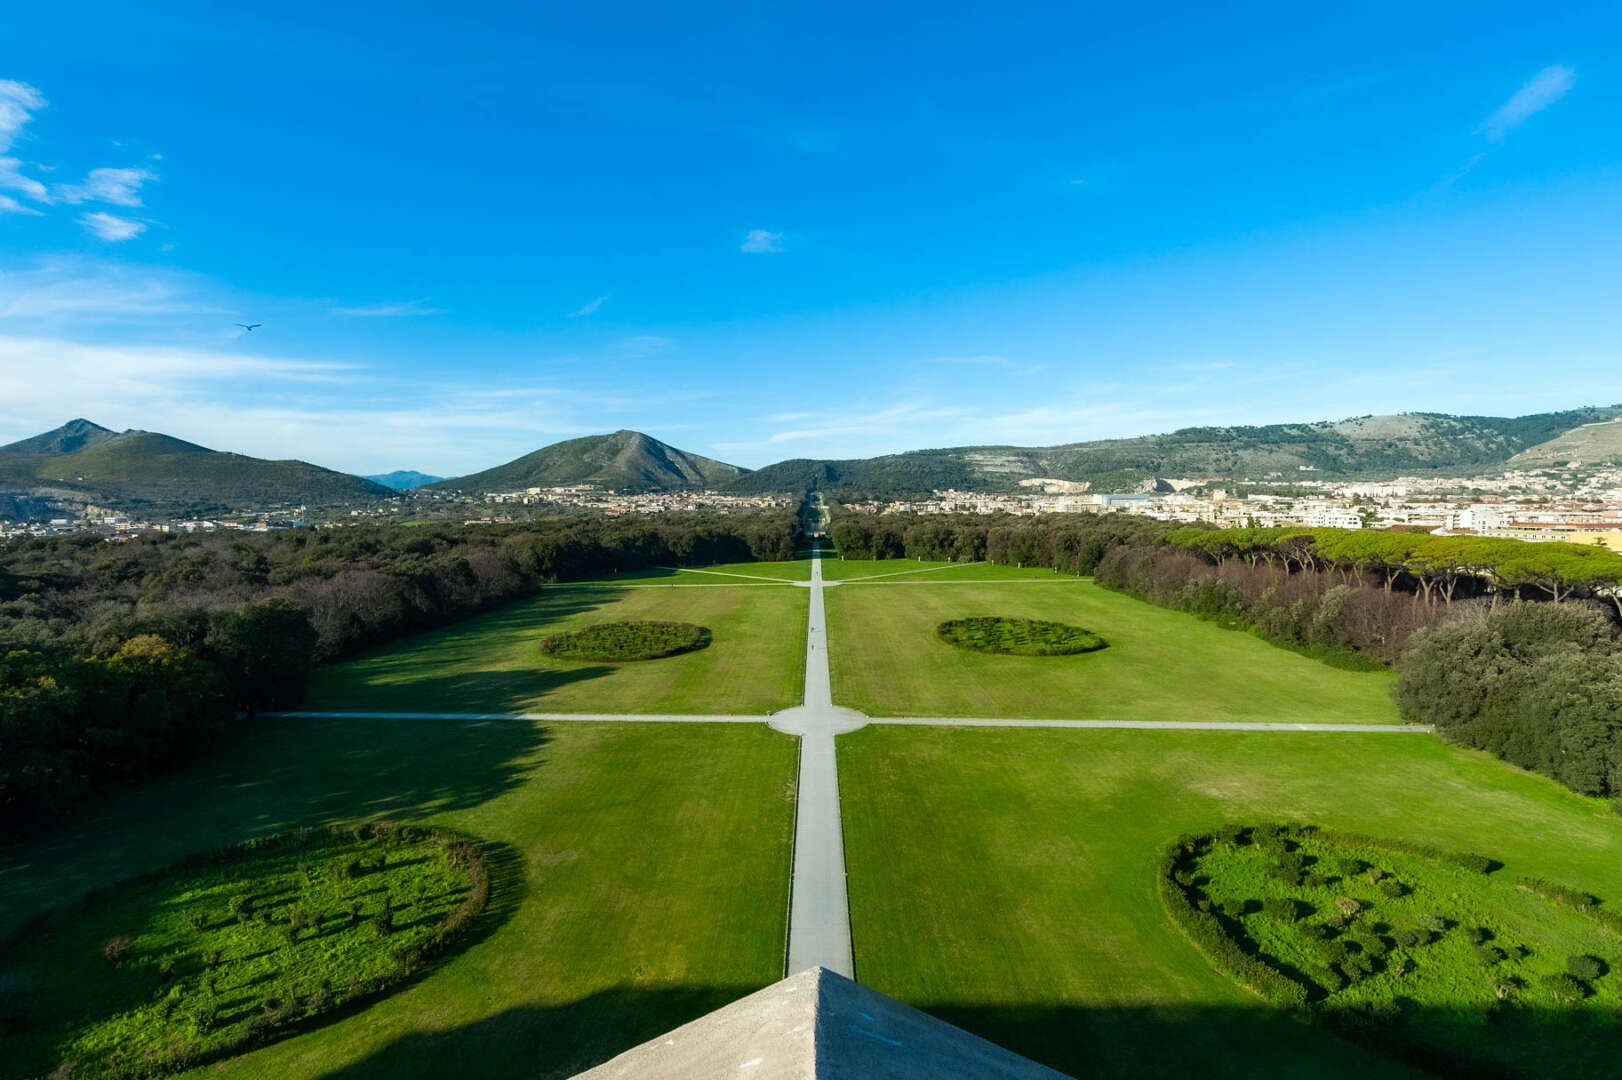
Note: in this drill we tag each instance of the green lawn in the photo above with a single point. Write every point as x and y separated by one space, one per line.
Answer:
492 663
902 570
641 877
1160 665
1005 879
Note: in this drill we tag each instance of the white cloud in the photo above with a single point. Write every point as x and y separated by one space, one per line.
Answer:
77 291
121 187
1542 90
230 398
589 308
12 179
18 103
761 242
400 309
112 229
8 205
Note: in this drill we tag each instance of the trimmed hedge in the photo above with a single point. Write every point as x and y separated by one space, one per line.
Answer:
1018 637
626 641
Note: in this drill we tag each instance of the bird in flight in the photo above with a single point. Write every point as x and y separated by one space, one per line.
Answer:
250 327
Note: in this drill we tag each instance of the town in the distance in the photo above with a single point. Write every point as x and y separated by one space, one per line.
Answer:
1547 477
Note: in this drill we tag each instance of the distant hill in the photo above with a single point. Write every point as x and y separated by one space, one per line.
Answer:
1590 443
623 461
403 479
1364 446
150 473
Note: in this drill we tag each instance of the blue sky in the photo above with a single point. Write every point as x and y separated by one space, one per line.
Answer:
834 231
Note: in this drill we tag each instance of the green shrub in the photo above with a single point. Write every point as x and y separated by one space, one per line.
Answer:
1564 987
626 641
1392 888
1584 967
1489 955
1233 909
1018 637
1282 909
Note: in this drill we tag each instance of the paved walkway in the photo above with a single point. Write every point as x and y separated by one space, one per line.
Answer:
819 913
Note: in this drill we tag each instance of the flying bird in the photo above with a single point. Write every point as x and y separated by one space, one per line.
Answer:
250 327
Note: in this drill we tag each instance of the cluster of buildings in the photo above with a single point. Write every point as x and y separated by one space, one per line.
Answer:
590 497
1582 508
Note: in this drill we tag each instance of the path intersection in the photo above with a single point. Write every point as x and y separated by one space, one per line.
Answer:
819 911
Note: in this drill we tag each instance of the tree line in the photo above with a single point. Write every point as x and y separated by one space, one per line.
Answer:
1068 543
1503 645
119 660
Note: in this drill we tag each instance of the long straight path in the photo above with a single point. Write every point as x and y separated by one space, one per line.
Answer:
819 912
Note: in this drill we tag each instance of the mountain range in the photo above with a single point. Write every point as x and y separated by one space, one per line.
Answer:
1361 447
403 479
152 473
147 472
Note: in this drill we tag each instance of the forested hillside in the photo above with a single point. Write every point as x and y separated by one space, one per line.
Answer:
1367 446
623 461
161 476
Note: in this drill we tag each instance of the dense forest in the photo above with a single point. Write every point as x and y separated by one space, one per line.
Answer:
116 660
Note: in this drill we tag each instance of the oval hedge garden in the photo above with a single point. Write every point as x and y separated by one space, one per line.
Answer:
1018 637
623 641
232 949
1422 954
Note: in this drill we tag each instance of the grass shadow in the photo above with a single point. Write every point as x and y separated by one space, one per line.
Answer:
1226 1043
287 773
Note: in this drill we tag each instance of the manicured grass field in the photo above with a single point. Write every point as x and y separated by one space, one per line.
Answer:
493 663
1160 665
1005 879
836 569
640 877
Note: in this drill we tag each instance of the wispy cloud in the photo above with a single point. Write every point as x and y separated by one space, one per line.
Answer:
113 186
761 242
121 187
74 292
589 308
18 104
8 205
12 179
112 229
640 346
401 309
1540 91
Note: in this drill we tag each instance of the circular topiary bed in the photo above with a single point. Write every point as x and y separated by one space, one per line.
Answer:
232 949
1018 637
1419 953
626 641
